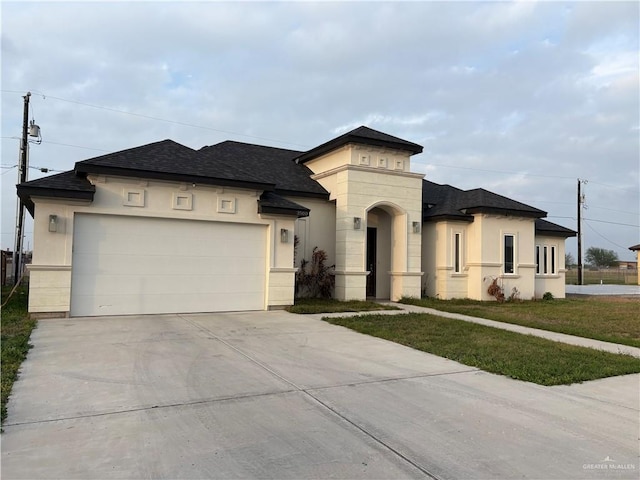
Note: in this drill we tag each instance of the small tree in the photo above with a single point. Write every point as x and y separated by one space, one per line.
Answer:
599 257
569 261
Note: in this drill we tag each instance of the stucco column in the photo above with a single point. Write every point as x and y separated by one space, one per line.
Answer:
350 273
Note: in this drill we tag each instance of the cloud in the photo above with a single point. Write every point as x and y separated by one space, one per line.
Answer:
545 92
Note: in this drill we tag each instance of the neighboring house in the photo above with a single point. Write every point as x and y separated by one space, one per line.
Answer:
163 228
636 249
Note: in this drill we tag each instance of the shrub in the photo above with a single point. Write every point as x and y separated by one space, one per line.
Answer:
314 278
496 291
547 296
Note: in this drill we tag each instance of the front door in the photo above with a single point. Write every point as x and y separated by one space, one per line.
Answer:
372 247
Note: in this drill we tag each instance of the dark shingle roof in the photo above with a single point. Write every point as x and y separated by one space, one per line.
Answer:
271 165
271 202
483 200
635 248
168 160
551 229
441 202
61 185
364 136
445 201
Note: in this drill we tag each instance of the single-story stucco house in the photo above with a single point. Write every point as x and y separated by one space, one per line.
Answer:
163 228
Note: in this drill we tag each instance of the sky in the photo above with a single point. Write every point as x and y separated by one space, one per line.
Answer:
522 99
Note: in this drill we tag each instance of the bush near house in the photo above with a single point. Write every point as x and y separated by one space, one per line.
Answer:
314 278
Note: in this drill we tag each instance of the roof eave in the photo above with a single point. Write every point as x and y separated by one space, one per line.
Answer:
300 193
448 216
26 193
506 211
341 141
173 177
549 233
293 212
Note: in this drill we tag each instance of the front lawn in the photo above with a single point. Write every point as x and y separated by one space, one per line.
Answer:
15 331
329 305
522 357
611 319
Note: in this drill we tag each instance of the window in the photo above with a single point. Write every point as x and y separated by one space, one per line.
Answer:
509 253
546 260
457 253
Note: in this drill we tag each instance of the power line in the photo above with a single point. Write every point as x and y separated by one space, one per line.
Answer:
66 145
76 146
150 117
612 223
605 238
613 210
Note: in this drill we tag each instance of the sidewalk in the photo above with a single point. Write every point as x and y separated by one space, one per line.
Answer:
556 337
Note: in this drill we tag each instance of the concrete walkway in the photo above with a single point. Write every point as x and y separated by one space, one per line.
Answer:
278 395
556 337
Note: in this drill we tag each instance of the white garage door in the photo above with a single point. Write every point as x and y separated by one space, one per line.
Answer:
133 265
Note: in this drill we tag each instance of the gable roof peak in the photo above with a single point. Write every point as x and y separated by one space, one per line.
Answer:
362 135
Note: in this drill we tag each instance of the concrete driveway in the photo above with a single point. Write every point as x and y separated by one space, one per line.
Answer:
276 395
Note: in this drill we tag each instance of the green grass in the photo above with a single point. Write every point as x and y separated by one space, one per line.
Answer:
522 357
15 331
329 305
611 319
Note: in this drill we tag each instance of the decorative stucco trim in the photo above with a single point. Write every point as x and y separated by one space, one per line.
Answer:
484 264
226 204
363 168
133 197
48 268
407 274
354 273
283 270
182 201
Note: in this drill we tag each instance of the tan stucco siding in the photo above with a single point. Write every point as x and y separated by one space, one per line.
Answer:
381 180
486 255
51 268
316 230
551 282
482 258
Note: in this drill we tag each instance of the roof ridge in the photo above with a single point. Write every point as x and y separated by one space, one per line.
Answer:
247 144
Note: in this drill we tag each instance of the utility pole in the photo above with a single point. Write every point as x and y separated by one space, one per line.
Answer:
22 177
580 207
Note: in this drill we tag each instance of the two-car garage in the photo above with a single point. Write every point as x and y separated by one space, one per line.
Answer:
123 265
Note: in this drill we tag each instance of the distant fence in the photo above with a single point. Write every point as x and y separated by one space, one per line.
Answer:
610 276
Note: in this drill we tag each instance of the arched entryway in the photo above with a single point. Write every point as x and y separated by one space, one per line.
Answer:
386 239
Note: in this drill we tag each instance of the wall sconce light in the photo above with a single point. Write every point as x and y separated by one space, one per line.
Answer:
53 223
357 223
416 227
284 235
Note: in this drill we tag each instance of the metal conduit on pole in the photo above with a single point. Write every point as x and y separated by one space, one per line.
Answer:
22 177
23 168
